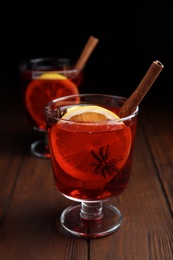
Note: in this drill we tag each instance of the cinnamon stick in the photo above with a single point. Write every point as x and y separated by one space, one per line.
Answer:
88 49
134 100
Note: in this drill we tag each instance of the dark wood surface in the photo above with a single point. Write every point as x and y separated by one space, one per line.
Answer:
30 206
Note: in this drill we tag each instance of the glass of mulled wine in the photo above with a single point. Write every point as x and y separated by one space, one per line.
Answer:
91 151
42 80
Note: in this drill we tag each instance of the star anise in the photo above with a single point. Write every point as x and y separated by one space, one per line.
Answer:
103 165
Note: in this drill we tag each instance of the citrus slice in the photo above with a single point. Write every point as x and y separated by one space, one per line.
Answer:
44 89
52 75
91 144
88 113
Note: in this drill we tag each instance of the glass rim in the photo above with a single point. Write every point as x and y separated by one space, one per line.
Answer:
48 113
23 65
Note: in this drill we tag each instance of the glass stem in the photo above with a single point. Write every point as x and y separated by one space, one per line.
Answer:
91 211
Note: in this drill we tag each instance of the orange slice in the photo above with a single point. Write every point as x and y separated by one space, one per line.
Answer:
44 89
89 114
94 148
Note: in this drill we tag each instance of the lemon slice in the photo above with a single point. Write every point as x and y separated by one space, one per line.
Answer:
88 113
52 75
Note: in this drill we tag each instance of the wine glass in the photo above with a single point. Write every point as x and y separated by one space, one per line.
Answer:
91 153
41 83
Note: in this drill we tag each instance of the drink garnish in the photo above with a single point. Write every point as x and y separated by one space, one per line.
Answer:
88 49
89 113
103 165
40 91
134 100
52 75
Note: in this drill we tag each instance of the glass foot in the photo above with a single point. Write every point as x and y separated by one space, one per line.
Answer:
108 222
39 149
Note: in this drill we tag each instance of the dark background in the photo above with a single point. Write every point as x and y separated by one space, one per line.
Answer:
131 35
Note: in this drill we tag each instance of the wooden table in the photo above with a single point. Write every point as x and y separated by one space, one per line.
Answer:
30 206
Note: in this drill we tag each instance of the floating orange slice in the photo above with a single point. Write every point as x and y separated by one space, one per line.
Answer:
92 152
44 89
